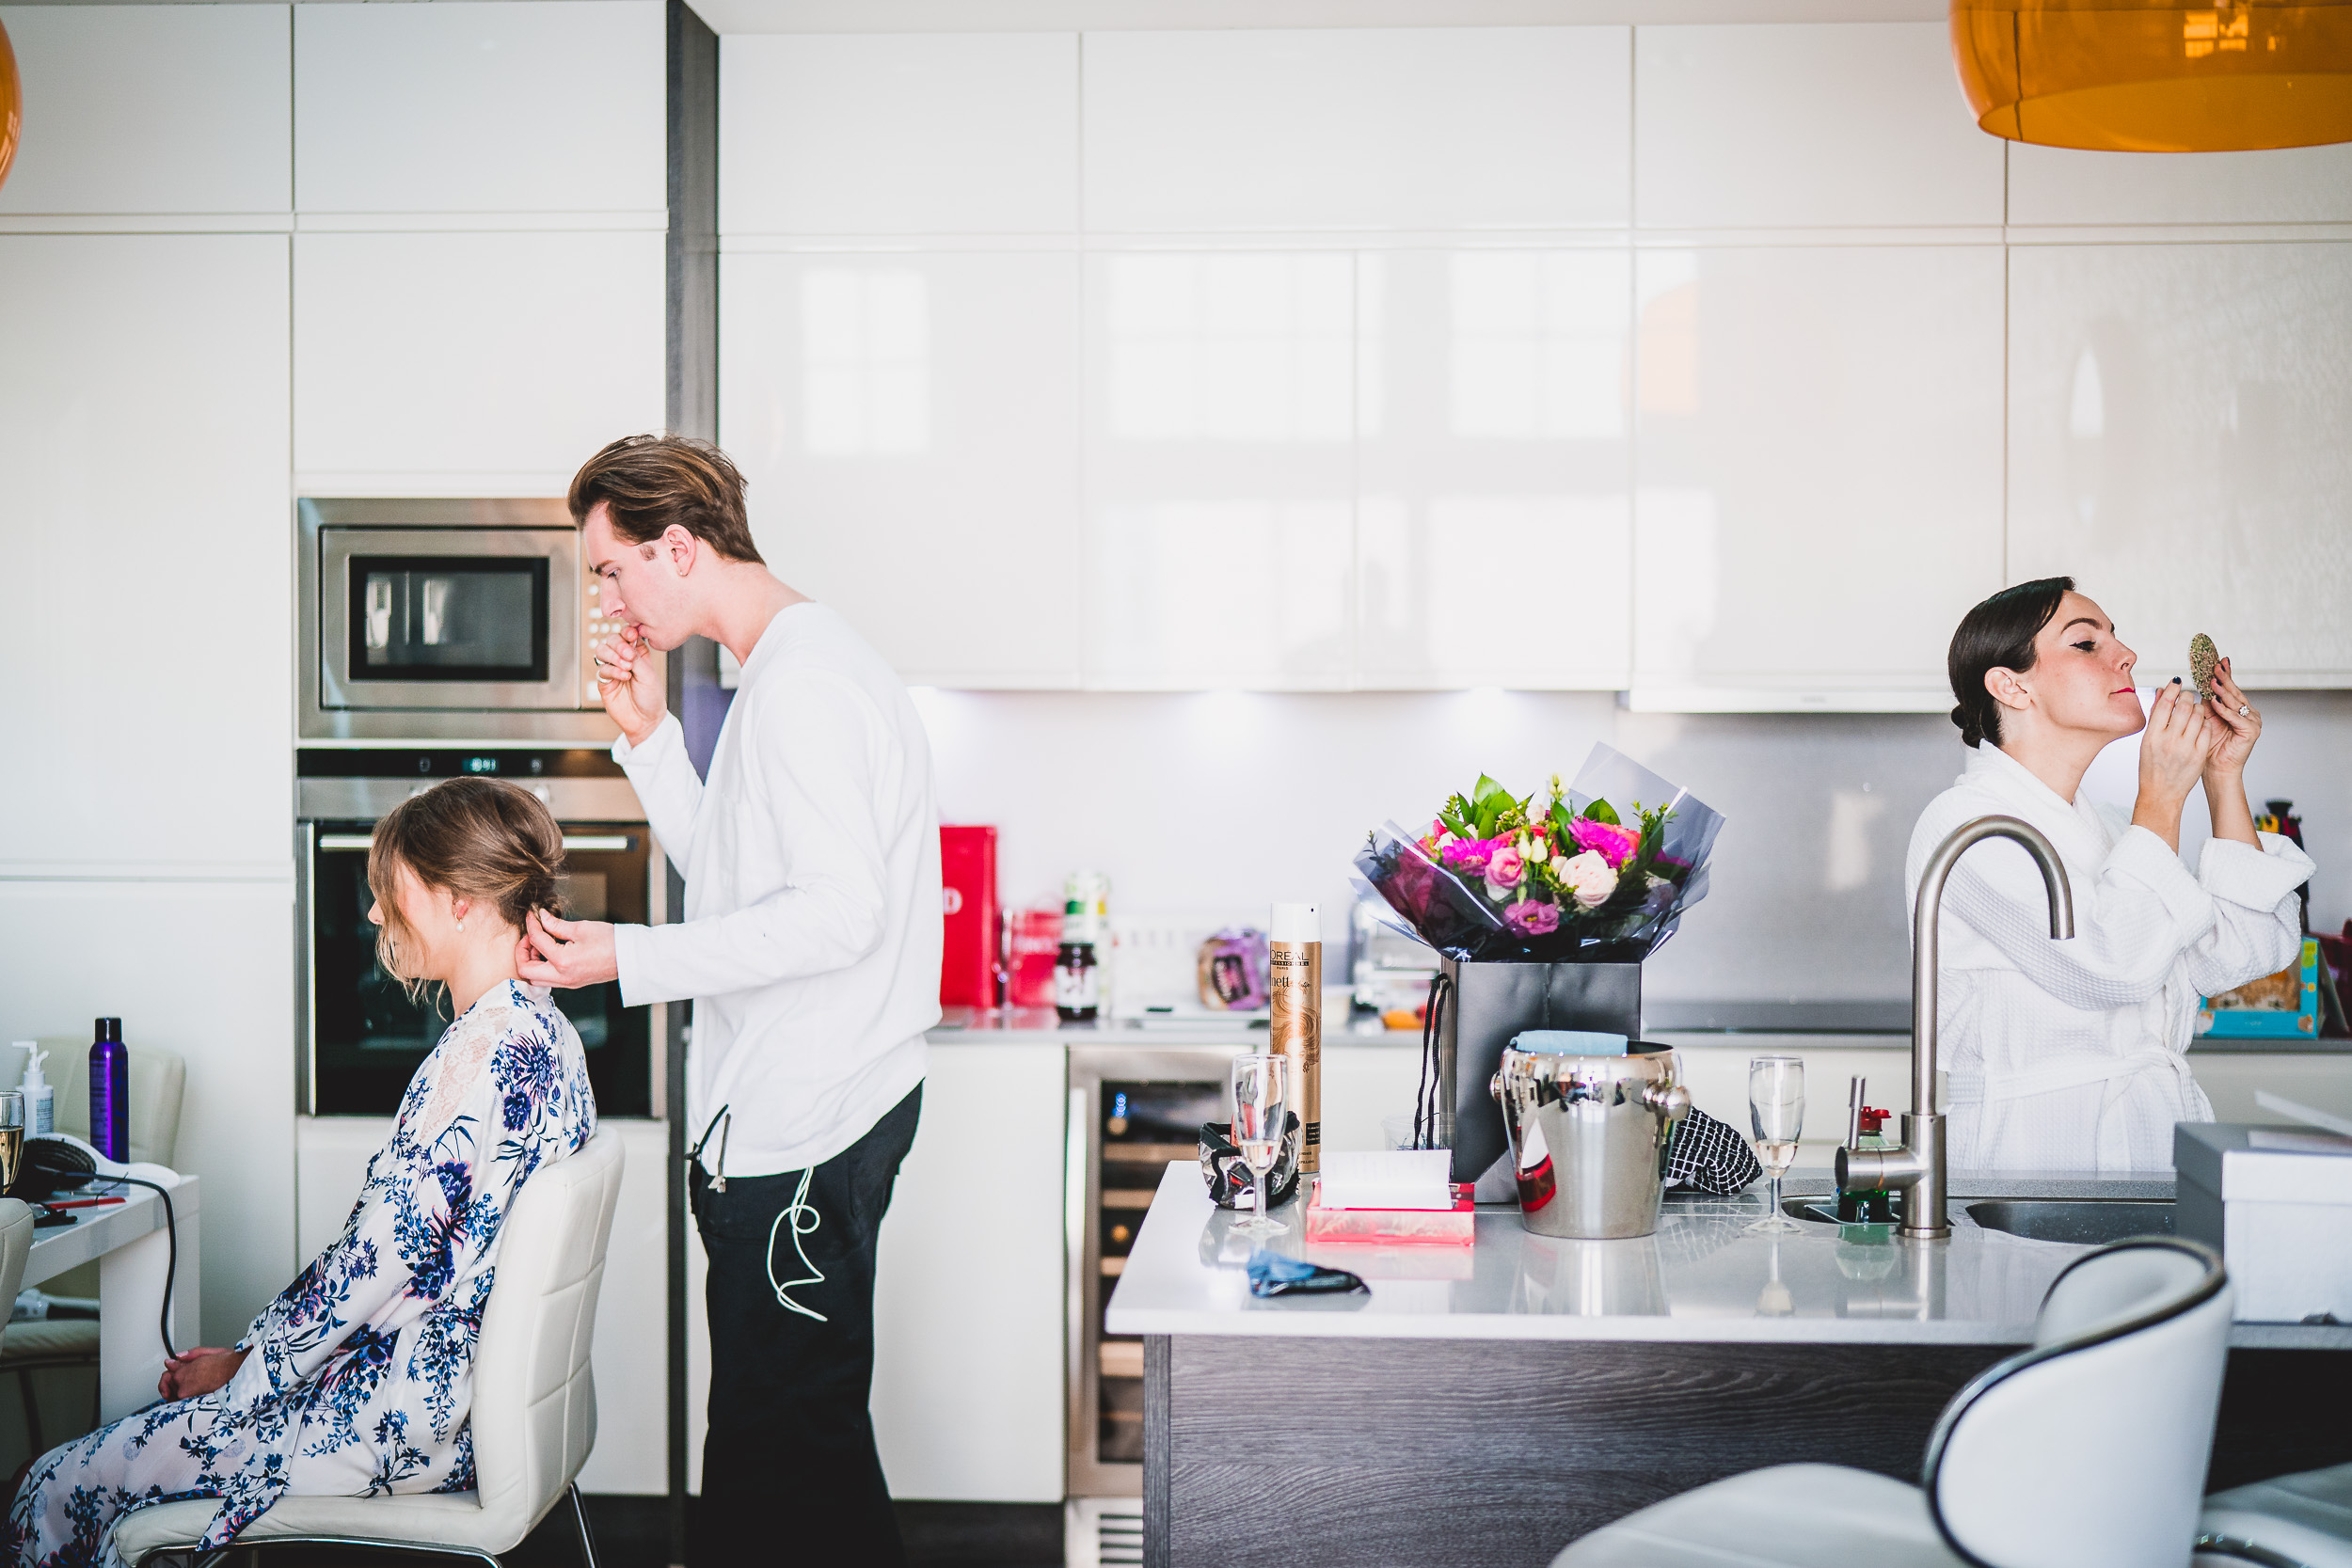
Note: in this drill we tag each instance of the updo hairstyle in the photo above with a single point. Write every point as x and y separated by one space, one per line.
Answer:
1997 635
483 839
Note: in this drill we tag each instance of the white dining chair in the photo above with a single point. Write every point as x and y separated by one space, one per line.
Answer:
2088 1451
2300 1521
534 1401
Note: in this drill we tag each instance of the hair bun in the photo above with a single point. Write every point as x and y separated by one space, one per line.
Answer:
1966 723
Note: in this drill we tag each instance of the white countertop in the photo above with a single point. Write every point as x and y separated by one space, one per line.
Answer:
1702 1276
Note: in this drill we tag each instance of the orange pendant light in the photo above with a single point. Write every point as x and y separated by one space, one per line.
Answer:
2136 76
11 104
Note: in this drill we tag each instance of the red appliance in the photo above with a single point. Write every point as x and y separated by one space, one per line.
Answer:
967 875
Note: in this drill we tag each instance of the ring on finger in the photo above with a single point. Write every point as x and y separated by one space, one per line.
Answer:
2243 709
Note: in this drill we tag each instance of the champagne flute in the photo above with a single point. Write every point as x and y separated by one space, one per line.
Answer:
12 1135
1776 1115
1262 1083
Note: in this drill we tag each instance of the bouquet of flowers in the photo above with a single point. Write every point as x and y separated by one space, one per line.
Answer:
1496 880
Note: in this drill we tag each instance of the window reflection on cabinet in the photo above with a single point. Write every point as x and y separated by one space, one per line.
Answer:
1493 539
2177 437
1220 513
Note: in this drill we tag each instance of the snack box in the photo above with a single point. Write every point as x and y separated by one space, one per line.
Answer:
1456 1226
2285 1005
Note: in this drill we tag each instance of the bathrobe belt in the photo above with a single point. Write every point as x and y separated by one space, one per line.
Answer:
2071 1071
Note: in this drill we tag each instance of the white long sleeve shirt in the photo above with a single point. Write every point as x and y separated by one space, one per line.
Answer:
2072 1055
811 942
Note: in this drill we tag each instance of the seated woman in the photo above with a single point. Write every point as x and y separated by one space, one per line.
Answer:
357 1381
2072 1055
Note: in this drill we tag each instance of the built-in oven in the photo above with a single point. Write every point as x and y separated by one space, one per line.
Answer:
462 620
361 1034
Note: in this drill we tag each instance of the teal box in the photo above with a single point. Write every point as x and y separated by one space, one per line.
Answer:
2267 1024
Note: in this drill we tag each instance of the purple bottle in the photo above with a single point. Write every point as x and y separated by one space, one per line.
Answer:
110 1093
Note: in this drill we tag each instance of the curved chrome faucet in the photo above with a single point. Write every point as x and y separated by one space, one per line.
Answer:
1916 1172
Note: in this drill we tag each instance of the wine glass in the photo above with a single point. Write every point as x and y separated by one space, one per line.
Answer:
1261 1107
1776 1115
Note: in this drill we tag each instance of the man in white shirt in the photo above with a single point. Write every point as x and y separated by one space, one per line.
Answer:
810 948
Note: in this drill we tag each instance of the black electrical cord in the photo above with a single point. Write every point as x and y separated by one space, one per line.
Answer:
171 1267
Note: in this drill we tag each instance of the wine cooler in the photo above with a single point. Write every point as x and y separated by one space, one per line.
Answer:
1131 1112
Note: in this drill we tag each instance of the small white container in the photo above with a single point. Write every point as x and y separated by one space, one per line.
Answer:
40 1096
2278 1205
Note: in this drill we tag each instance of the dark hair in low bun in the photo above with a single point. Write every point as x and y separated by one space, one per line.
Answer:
1997 635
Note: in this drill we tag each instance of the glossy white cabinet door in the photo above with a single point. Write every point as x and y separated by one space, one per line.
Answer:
490 106
1354 128
632 1452
497 363
898 132
908 425
143 433
1493 535
1815 124
1817 491
152 109
968 1285
1219 484
2181 444
2065 186
213 981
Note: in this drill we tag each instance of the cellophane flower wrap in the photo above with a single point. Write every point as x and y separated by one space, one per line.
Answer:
1599 873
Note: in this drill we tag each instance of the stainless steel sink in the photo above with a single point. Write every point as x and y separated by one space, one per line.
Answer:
2086 1222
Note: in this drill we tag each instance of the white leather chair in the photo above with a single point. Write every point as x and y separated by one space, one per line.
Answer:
2303 1521
2088 1451
16 1244
534 1403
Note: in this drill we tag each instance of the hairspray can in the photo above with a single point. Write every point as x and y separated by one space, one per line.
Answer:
1294 983
110 1093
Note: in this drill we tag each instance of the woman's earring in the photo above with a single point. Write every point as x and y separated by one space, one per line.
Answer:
461 925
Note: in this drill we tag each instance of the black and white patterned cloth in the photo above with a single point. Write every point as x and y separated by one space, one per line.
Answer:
1710 1156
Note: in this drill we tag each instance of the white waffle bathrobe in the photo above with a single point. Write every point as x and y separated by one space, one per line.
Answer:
2071 1055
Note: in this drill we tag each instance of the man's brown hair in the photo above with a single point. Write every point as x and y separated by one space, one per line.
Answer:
647 483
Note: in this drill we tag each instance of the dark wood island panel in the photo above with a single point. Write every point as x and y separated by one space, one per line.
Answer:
1495 1453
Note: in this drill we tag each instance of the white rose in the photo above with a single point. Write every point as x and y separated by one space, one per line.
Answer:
1589 878
1558 866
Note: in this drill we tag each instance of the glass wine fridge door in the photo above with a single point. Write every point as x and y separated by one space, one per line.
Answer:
367 1035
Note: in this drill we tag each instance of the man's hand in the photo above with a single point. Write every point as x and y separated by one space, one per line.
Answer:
199 1371
631 684
566 954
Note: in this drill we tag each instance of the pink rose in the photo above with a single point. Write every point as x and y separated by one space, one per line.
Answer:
1469 854
1505 867
1612 842
1532 918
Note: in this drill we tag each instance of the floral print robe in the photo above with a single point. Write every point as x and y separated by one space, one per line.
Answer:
358 1379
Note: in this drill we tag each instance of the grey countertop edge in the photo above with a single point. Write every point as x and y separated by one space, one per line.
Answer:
1286 1319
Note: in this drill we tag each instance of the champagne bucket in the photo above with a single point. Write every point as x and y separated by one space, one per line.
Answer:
1589 1137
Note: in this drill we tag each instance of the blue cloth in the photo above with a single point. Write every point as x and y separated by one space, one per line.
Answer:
1273 1275
358 1380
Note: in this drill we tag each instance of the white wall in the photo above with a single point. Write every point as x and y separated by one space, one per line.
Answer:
1229 800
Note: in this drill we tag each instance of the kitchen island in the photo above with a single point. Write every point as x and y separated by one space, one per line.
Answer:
1487 1404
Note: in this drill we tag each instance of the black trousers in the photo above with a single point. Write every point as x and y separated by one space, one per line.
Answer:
789 1471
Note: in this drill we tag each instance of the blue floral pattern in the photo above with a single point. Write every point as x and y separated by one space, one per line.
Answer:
358 1378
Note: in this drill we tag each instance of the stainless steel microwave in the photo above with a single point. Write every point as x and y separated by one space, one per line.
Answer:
447 619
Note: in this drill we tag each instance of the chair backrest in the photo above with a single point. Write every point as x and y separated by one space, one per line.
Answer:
534 1403
159 1081
2090 1451
16 1244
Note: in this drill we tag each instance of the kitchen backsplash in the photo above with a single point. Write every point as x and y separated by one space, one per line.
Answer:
1226 800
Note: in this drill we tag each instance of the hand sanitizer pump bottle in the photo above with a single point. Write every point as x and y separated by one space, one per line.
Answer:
40 1098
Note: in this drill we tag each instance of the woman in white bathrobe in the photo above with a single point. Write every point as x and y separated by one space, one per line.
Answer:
2071 1055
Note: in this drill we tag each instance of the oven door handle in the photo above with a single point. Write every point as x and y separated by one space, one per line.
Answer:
605 843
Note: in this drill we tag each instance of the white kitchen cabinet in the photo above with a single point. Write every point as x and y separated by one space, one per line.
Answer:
1365 1082
143 431
470 363
969 1297
492 107
2178 419
2067 186
898 132
1824 124
1356 128
632 1452
1715 1071
1817 471
908 427
1219 469
1492 430
152 110
212 980
2230 1079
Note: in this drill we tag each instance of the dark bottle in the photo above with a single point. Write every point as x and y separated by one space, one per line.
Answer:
110 1093
1876 1207
1077 981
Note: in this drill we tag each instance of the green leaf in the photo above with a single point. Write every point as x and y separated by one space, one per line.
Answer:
1487 789
1601 810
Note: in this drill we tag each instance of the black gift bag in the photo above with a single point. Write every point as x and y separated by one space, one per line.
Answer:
1474 1011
